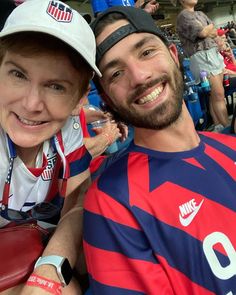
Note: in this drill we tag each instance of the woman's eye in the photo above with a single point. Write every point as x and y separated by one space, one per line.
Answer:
17 74
57 87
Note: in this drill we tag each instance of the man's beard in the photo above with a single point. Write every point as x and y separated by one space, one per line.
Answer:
163 115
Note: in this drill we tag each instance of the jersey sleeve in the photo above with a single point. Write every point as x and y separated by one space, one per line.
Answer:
76 153
119 258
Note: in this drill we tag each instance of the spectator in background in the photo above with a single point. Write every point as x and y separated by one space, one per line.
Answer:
226 51
197 34
151 6
232 34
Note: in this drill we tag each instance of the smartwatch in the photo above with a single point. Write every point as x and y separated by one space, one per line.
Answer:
62 265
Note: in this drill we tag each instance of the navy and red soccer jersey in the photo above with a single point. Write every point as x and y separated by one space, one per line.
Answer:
165 223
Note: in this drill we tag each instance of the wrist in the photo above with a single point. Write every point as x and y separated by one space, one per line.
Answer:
61 265
109 138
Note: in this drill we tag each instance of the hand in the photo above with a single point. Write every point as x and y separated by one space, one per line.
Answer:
123 130
94 115
110 129
212 33
151 7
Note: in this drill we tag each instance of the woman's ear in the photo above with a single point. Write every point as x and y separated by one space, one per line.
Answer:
82 101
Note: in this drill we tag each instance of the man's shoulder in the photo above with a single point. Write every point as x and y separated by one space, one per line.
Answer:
226 139
115 179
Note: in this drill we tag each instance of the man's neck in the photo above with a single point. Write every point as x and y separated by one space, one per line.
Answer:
180 136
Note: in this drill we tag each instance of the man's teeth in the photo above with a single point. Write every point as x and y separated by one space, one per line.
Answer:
28 122
152 96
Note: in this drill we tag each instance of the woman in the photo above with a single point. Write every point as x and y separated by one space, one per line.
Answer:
197 33
46 62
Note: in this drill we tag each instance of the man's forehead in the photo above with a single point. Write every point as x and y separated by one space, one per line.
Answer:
109 29
118 54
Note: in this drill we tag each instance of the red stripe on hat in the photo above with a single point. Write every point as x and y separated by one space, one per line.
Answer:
59 15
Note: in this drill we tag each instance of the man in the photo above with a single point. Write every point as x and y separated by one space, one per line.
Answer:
47 58
161 218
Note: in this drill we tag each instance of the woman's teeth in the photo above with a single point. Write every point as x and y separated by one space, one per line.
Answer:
152 96
28 122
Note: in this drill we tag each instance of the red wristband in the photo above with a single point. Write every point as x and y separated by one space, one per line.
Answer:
50 286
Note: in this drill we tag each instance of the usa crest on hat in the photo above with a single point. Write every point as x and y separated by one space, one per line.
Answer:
57 19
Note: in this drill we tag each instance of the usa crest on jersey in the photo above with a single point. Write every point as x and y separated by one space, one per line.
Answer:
59 11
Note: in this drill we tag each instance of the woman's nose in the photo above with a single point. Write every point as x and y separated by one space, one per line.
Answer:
33 100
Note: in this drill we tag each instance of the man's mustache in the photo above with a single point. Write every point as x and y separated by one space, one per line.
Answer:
141 89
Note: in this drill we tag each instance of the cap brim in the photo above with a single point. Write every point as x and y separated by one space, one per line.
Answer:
64 38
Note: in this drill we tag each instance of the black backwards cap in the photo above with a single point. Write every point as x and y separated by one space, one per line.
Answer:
139 21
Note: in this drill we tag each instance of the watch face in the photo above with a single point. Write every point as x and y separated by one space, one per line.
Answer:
66 271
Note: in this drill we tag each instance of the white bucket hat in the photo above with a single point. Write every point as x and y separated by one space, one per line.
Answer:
57 19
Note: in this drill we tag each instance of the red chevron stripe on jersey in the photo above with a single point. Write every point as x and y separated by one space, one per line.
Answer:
167 220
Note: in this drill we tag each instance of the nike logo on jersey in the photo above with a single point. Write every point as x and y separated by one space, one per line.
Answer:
189 209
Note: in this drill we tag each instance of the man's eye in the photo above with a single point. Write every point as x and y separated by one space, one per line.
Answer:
115 75
147 52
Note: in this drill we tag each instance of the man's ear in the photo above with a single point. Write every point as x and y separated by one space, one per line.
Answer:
174 53
107 99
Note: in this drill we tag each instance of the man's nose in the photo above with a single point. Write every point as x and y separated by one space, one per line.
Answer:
138 73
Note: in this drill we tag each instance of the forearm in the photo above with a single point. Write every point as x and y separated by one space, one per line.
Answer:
66 241
97 145
208 31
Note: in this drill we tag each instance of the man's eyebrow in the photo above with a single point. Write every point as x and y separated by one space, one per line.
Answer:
109 65
144 40
135 47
